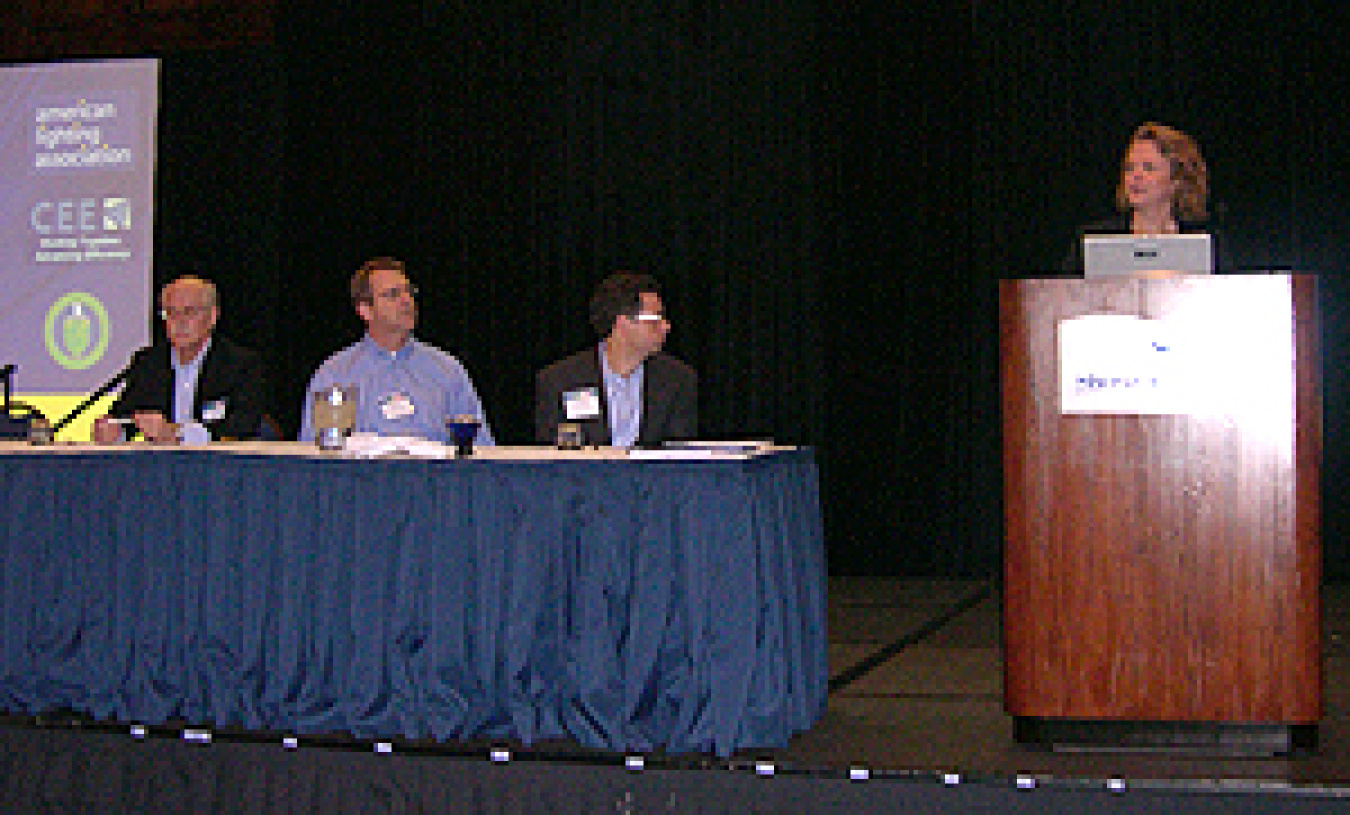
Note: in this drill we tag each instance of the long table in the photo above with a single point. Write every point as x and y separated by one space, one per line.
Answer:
520 594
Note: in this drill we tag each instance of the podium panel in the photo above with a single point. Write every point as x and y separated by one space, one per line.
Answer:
1162 555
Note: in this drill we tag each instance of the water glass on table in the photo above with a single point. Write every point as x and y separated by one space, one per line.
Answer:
463 430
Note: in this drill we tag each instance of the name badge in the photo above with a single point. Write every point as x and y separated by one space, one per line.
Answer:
397 406
213 411
581 404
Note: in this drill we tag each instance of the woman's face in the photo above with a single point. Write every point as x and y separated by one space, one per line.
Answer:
1146 176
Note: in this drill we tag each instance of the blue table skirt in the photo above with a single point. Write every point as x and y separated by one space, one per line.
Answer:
629 605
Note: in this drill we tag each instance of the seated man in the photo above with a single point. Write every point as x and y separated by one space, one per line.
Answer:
624 391
406 387
196 380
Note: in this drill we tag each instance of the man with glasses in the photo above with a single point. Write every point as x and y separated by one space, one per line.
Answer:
196 386
405 387
624 391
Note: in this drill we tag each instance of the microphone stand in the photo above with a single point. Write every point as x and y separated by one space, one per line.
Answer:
93 397
5 374
17 419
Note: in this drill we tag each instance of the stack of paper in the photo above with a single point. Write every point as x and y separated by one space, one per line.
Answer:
702 449
370 445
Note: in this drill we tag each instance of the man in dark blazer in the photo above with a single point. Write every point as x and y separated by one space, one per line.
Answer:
195 384
623 391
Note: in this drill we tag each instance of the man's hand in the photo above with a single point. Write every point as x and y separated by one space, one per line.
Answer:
155 427
106 431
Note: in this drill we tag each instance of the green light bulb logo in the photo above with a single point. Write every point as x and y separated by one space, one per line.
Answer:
76 331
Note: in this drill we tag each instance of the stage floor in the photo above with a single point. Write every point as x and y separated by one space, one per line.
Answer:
916 686
915 704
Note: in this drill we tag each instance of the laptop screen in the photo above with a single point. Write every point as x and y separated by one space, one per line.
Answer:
1140 255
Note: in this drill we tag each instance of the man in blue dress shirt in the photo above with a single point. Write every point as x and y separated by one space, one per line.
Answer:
405 387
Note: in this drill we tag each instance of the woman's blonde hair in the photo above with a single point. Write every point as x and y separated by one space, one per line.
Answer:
1188 169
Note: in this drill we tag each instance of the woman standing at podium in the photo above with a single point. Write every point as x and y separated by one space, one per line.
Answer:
1163 190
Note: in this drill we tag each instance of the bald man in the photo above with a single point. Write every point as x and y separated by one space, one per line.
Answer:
195 380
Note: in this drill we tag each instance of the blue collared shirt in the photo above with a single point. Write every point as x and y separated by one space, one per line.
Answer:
411 392
623 396
185 384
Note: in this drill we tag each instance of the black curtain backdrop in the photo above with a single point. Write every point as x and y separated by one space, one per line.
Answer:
829 193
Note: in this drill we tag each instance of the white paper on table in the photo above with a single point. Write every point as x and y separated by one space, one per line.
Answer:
702 450
370 445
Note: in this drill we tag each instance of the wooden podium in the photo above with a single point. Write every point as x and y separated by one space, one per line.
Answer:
1161 444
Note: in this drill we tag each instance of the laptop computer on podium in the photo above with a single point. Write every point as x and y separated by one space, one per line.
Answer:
1135 255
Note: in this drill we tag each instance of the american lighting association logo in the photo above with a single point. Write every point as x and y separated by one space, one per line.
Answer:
76 331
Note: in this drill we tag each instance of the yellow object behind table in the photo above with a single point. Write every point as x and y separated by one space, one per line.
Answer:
55 406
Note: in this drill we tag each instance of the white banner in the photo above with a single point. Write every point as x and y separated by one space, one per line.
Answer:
1227 354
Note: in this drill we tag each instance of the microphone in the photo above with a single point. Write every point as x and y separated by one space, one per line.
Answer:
16 418
5 373
95 396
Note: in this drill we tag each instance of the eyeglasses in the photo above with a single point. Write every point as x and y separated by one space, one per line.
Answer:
397 292
185 312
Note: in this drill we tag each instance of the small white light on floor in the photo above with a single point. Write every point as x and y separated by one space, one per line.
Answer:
499 755
290 743
951 779
1116 785
384 747
1026 782
764 768
859 773
138 731
634 762
197 736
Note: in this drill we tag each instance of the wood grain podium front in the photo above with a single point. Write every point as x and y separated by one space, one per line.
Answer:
1162 556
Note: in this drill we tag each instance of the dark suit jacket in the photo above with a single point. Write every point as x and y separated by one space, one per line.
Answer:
230 373
669 399
1120 225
